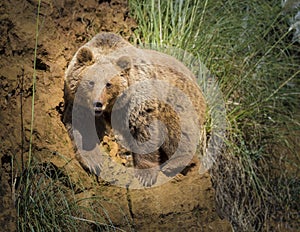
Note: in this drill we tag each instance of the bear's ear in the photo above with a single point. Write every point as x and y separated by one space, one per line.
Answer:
124 63
85 56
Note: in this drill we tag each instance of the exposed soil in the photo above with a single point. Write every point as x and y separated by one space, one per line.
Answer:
184 204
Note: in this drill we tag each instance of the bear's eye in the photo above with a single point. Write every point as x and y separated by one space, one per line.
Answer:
108 85
91 83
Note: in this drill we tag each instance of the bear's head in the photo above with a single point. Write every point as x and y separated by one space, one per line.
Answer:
97 81
93 55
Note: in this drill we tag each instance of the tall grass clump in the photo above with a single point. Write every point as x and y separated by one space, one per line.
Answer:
248 47
50 202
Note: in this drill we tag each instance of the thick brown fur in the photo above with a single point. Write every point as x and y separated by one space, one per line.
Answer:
105 69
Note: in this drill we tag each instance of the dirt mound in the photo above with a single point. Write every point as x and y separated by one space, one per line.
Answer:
186 203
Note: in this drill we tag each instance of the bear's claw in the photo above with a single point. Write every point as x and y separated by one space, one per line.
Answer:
147 177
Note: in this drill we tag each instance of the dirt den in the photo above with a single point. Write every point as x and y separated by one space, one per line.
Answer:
183 204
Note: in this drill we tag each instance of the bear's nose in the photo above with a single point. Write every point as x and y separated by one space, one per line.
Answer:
98 104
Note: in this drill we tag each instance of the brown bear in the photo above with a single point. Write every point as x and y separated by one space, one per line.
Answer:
151 100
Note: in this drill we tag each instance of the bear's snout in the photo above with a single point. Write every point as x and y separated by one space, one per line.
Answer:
98 108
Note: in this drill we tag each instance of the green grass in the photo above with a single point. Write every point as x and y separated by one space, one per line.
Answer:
248 47
48 202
